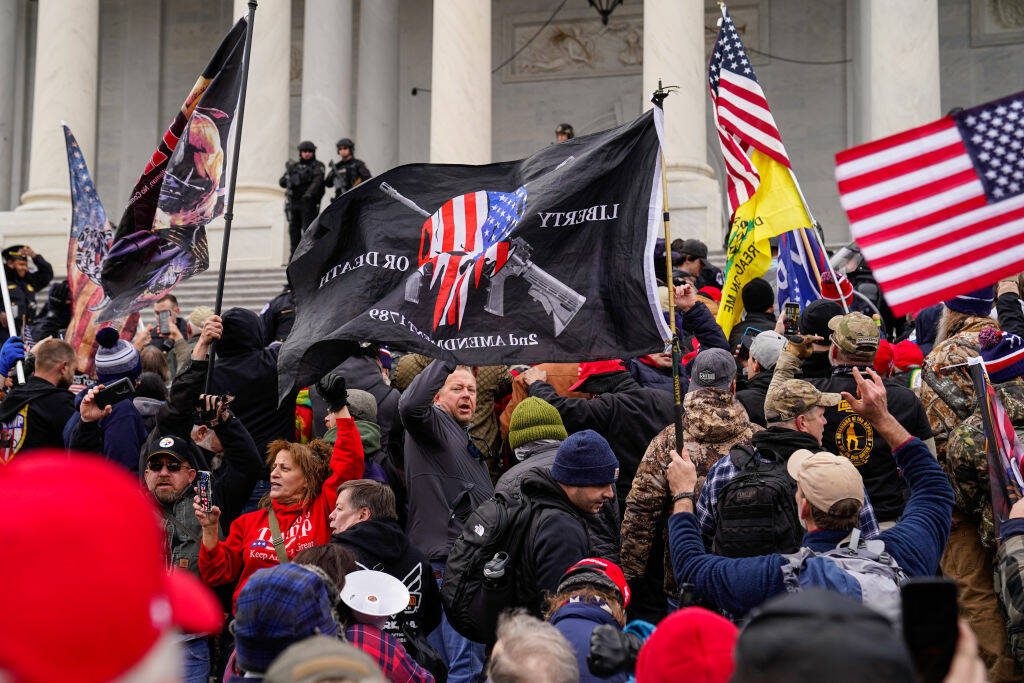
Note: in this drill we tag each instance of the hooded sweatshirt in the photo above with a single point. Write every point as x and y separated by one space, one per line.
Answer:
247 370
34 414
248 547
380 544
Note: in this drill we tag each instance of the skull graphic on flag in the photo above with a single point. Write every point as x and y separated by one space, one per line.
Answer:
463 238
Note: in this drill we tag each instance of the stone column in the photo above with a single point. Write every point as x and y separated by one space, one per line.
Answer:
8 85
895 71
460 98
674 53
326 110
265 130
377 85
66 76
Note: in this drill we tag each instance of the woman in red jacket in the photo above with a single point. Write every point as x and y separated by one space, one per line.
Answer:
303 491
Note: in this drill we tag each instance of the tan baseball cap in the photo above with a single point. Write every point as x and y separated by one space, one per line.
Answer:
795 397
855 333
824 478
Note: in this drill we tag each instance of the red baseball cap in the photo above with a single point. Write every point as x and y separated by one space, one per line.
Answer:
596 367
691 644
713 293
601 572
87 592
907 355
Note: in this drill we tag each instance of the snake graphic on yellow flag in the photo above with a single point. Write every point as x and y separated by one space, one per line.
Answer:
772 210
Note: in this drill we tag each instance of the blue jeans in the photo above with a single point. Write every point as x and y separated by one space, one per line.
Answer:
197 660
465 659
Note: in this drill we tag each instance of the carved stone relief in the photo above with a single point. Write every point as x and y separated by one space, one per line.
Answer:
997 22
574 45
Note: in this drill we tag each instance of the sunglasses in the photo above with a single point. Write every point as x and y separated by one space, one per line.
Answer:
171 465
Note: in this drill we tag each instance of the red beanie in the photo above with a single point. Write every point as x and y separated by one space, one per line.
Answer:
883 358
692 645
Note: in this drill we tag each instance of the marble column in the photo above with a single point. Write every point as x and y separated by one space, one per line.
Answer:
265 129
65 87
8 87
326 109
674 53
377 85
895 70
460 98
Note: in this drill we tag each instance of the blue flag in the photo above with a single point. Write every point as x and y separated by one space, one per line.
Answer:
800 266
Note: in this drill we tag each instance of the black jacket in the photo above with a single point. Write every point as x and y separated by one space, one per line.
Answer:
380 544
23 292
760 321
752 398
816 365
557 538
603 528
33 416
247 369
625 413
344 175
445 481
851 436
303 181
278 316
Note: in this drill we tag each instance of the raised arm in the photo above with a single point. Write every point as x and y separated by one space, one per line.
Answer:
416 407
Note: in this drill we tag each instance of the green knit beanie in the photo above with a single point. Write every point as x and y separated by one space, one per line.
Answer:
534 419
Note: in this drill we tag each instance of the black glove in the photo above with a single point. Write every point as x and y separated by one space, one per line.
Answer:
612 651
331 388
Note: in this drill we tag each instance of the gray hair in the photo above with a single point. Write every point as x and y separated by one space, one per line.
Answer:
529 650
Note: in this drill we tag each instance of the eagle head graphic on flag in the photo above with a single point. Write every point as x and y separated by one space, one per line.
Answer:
467 235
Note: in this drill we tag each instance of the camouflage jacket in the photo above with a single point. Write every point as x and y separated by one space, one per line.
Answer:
1009 586
713 422
948 397
966 464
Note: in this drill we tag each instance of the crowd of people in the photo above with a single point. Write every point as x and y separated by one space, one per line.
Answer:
409 519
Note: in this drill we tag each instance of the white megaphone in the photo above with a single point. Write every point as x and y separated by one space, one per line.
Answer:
374 596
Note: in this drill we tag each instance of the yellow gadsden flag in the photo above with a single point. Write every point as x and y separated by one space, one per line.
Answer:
772 210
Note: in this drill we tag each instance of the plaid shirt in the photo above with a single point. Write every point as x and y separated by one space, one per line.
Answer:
393 660
723 471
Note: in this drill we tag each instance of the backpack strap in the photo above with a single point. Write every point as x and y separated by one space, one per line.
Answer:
184 530
741 456
275 536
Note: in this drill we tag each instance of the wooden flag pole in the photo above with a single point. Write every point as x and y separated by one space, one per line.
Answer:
229 210
658 98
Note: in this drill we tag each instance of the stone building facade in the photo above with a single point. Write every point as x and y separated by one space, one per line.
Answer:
460 81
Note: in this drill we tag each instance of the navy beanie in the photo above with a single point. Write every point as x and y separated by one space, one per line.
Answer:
585 459
979 302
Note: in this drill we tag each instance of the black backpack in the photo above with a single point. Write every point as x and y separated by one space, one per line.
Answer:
472 602
757 512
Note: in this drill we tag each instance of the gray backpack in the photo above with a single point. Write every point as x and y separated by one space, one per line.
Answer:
862 569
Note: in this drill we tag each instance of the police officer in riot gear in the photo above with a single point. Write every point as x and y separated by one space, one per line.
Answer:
303 181
564 132
22 285
346 171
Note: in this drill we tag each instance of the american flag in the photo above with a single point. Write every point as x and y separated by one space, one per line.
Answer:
89 241
939 210
1006 439
741 114
460 238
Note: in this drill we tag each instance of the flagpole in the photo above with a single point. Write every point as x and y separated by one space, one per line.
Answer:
658 98
828 261
229 210
11 329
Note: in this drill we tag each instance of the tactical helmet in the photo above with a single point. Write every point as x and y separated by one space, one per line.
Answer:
307 146
565 129
346 142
